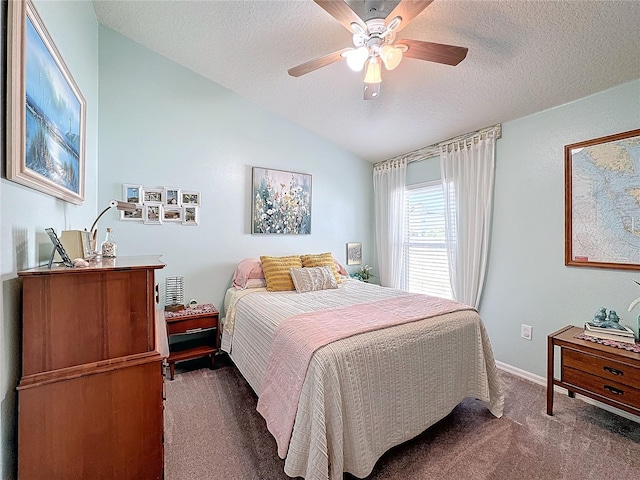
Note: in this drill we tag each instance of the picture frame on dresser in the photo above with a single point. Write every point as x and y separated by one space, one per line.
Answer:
602 202
46 111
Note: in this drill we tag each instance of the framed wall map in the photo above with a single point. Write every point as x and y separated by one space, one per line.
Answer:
602 202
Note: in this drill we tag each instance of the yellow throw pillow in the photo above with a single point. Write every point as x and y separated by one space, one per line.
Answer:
277 272
321 260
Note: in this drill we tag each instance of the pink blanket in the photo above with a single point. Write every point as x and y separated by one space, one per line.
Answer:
297 338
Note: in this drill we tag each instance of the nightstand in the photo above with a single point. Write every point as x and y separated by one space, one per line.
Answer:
607 374
194 332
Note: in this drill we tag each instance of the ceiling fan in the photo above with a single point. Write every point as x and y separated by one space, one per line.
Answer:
374 42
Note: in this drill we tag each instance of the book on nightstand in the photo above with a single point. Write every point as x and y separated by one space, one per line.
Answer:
625 336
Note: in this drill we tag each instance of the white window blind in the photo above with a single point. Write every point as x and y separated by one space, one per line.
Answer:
426 268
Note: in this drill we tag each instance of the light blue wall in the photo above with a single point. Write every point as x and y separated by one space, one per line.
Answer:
527 281
25 213
163 125
423 171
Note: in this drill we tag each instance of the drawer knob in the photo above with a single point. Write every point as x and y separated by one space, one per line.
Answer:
613 371
615 391
193 330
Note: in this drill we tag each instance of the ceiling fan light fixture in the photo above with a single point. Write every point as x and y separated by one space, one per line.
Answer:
393 24
356 58
374 38
371 91
372 73
358 29
391 56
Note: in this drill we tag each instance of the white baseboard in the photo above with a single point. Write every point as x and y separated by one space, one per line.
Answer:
518 372
532 377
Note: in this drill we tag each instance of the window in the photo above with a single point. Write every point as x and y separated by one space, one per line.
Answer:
426 268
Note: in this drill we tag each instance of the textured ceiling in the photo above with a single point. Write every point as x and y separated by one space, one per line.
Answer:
524 57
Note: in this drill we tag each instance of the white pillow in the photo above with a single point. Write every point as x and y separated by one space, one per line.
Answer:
313 278
254 283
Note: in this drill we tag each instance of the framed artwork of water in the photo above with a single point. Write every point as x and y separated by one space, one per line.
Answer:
46 111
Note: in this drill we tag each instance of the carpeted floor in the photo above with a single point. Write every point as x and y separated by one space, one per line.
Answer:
213 432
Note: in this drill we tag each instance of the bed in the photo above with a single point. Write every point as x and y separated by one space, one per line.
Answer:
366 393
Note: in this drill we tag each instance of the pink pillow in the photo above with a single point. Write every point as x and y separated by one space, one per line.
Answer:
246 269
340 268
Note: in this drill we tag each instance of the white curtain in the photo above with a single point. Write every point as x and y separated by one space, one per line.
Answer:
467 169
389 179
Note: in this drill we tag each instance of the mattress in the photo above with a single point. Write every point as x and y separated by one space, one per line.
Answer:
364 394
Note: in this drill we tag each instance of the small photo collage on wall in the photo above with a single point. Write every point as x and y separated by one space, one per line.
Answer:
158 205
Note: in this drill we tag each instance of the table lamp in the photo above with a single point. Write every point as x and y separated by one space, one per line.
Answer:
122 206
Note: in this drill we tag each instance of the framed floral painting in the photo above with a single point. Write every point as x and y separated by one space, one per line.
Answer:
281 202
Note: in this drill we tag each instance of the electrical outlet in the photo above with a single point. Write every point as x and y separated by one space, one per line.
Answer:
526 331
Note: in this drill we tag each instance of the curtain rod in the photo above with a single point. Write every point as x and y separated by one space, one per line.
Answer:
434 150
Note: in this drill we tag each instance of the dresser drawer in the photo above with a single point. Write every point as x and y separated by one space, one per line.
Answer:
601 367
191 324
615 391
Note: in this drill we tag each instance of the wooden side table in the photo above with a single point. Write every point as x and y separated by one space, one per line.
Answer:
607 374
199 327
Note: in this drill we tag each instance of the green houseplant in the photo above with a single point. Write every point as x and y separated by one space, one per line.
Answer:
364 273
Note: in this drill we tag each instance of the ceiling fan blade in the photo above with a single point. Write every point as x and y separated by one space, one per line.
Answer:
407 10
317 63
342 12
434 52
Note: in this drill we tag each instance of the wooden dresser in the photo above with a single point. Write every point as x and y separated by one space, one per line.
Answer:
90 400
607 374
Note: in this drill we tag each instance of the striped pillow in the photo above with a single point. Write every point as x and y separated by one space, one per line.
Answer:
312 279
277 272
321 260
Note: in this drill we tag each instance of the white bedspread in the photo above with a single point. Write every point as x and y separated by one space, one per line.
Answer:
365 394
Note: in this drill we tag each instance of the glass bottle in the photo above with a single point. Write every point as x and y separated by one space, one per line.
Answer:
109 247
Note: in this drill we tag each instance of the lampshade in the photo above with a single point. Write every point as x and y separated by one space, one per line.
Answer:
357 58
391 56
127 207
372 74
